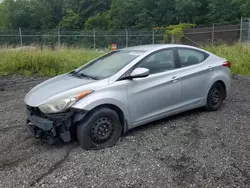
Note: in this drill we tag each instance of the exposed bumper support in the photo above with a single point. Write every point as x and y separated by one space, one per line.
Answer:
53 127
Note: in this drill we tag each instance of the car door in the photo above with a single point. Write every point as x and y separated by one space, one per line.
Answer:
195 75
152 97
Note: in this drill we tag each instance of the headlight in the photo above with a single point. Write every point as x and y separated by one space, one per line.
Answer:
62 105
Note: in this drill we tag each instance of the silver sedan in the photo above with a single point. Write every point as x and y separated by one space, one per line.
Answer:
123 89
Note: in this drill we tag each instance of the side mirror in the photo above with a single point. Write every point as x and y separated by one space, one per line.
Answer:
139 73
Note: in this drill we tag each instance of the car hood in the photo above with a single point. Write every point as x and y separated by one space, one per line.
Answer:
58 86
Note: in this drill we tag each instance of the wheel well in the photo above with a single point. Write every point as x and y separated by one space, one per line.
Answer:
119 113
224 86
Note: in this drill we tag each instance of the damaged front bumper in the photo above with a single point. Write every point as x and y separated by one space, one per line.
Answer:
53 127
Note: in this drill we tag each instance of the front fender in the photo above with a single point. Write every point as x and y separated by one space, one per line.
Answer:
116 97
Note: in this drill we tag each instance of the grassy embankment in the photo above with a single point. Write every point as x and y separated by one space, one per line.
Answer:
48 62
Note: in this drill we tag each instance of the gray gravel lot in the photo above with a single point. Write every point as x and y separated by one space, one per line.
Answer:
193 149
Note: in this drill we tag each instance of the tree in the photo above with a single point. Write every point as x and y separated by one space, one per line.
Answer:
70 21
99 21
89 8
123 14
226 11
4 16
118 14
163 12
188 11
244 7
22 14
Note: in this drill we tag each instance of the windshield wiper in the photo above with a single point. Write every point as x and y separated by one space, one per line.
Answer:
86 76
82 75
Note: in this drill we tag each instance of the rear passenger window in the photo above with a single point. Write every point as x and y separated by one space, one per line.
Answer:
190 57
159 62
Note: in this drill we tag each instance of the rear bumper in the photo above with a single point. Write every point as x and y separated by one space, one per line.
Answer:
53 127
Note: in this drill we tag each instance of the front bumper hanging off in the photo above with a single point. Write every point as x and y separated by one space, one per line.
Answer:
53 127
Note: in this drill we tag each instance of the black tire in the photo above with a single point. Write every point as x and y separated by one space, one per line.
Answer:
100 129
215 97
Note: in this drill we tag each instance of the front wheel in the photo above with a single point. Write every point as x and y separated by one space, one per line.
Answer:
215 97
101 128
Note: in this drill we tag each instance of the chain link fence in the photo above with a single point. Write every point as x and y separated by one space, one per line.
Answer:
77 38
213 35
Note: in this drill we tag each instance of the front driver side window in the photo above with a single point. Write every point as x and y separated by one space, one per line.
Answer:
159 62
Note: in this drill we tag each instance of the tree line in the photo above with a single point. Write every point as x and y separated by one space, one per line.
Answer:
118 14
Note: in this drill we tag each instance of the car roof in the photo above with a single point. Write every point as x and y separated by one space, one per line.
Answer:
155 47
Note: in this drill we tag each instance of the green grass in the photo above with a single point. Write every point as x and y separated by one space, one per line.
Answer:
46 62
238 55
34 61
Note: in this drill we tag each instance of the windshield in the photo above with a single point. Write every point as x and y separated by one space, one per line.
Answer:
109 64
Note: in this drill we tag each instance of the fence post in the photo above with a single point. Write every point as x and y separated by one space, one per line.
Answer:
59 37
213 35
241 27
21 37
126 37
94 39
248 36
153 37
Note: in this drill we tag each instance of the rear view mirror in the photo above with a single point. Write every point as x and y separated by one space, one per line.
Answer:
139 73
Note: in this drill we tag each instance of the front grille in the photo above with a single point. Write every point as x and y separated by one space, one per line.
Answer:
35 111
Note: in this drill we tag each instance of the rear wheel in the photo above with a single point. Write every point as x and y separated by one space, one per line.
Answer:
101 128
215 97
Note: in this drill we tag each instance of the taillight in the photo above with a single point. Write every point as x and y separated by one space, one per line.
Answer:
227 64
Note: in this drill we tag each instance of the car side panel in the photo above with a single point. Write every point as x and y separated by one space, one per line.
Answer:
169 113
195 79
153 96
219 74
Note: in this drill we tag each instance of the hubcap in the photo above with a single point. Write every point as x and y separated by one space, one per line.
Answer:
102 130
216 96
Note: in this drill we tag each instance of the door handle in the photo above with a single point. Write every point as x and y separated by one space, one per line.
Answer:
175 78
210 68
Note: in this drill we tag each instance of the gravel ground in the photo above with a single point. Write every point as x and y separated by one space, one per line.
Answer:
193 149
